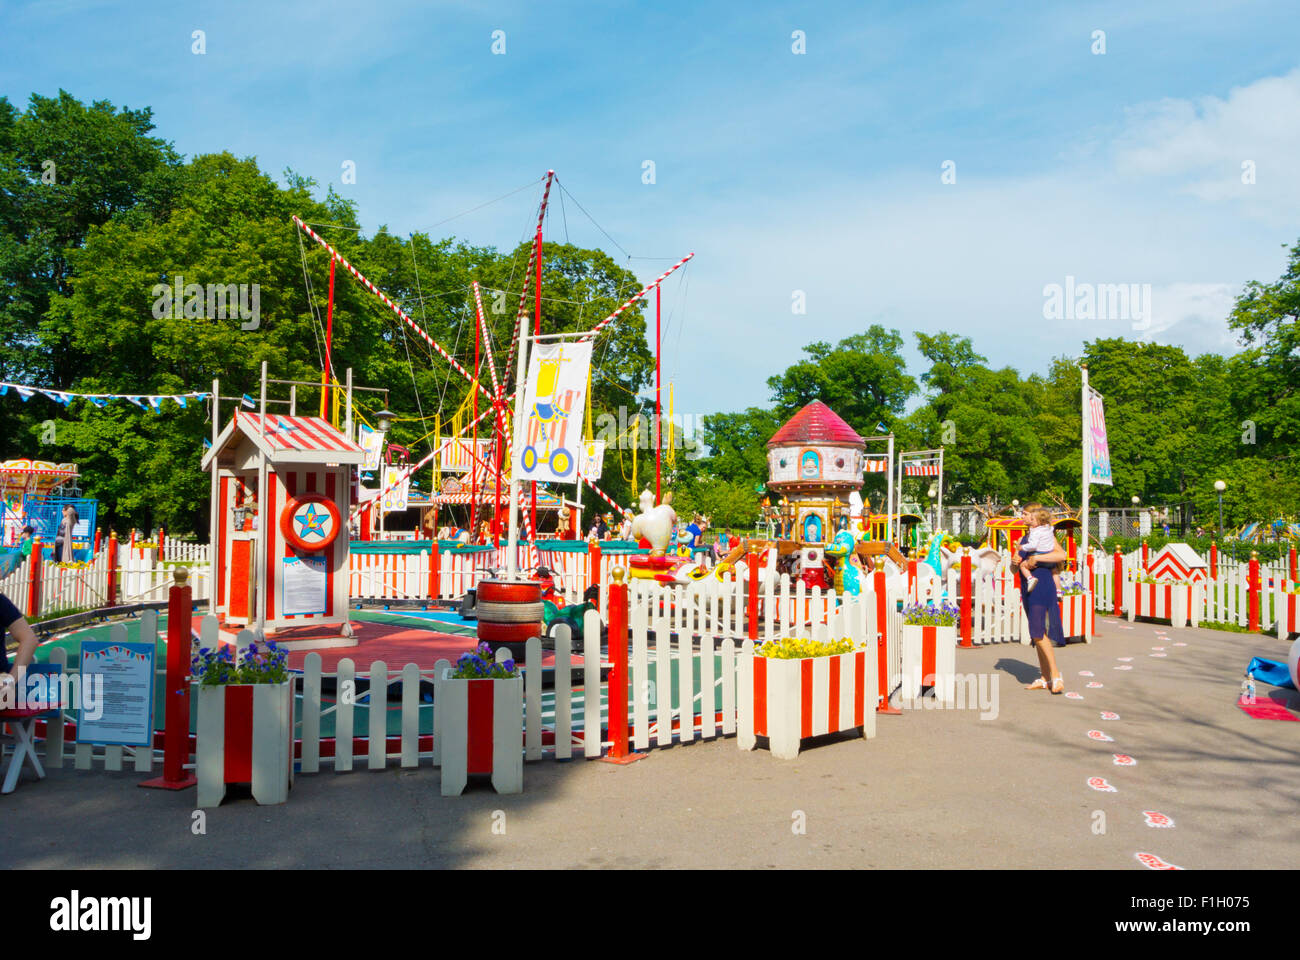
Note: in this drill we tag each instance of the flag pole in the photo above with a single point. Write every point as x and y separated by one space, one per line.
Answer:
1087 459
512 536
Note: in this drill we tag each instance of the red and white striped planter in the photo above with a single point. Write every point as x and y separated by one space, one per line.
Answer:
1078 615
929 660
1175 602
789 700
244 735
479 725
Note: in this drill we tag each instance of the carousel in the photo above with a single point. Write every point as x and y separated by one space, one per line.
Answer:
34 492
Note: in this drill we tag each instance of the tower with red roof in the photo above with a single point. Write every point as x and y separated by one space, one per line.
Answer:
815 461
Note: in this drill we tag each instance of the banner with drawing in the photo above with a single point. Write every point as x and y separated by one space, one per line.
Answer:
551 444
1099 447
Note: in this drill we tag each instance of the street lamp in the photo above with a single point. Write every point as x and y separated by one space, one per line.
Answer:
384 419
1219 487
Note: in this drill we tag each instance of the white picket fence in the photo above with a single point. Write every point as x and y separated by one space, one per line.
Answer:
61 588
1226 597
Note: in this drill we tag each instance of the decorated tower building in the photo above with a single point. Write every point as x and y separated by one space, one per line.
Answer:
815 461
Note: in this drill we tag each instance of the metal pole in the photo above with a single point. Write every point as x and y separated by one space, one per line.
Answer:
537 329
889 494
938 513
347 423
658 408
473 480
263 521
329 339
1220 492
512 535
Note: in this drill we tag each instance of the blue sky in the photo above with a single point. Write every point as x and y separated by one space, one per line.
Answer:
817 172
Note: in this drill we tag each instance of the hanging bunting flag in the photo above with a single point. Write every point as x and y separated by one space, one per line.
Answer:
66 397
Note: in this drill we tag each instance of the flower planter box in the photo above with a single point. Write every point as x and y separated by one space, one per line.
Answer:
245 735
790 700
1077 615
929 660
1175 602
478 725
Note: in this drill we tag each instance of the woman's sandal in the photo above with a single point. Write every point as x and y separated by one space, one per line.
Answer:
1058 685
1039 684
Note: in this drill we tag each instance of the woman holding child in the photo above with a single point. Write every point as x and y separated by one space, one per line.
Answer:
1037 552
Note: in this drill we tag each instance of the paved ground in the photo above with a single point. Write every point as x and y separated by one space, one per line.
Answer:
934 789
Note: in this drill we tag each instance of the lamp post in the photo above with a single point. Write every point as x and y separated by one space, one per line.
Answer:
1219 487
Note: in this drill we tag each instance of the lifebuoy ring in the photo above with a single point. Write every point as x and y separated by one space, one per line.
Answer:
310 522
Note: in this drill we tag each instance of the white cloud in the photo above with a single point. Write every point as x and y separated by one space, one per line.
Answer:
1199 146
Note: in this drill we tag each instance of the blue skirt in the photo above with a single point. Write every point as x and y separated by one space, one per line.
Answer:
1040 602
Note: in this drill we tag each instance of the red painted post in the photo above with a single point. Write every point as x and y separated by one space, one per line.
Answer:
1146 566
751 607
435 570
1252 588
911 580
618 665
34 581
162 542
1117 588
1092 578
593 570
176 723
1214 560
967 599
97 532
111 596
1072 565
882 642
1293 577
133 538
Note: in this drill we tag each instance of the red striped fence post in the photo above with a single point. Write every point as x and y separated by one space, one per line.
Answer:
1092 577
1073 564
967 600
1117 588
162 542
618 676
751 604
593 570
1294 569
882 642
34 581
176 723
1214 560
1252 588
97 532
1146 565
435 571
110 597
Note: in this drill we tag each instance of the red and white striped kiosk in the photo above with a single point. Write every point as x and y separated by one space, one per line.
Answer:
280 497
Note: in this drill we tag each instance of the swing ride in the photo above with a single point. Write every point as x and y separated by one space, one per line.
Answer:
529 419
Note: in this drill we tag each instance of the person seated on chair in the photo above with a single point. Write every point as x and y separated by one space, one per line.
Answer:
11 619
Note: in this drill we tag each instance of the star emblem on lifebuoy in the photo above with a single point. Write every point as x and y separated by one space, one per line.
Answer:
311 522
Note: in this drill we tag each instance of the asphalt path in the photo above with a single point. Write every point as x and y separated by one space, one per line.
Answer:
999 784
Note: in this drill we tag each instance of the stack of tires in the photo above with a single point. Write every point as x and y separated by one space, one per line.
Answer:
509 613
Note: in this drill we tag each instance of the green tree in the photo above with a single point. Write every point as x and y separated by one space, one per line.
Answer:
862 378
